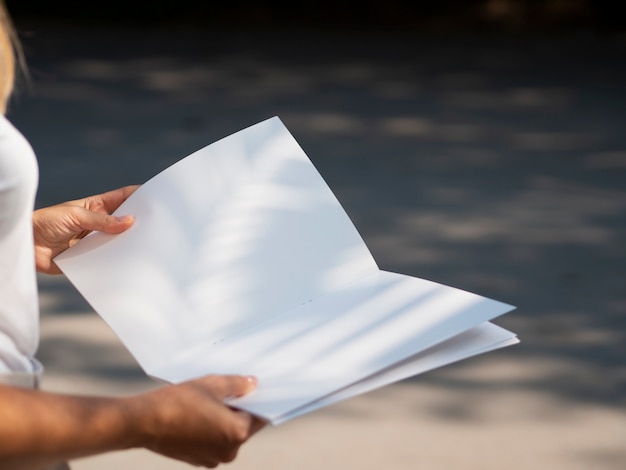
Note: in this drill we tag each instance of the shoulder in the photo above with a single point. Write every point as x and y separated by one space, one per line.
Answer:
15 151
12 140
19 172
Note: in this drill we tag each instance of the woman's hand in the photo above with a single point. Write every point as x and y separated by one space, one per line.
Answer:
189 421
56 228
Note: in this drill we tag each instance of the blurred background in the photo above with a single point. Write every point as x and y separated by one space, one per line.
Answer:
479 144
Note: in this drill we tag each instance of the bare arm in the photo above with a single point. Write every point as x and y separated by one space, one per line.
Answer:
188 422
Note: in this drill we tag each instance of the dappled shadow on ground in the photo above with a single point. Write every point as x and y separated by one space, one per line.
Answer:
497 165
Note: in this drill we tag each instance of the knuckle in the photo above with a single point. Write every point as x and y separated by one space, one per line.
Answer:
236 436
74 212
240 433
230 456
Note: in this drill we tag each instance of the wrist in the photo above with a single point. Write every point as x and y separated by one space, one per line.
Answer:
139 422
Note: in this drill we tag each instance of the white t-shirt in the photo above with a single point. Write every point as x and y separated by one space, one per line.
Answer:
19 308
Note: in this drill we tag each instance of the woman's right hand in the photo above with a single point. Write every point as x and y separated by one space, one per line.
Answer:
190 421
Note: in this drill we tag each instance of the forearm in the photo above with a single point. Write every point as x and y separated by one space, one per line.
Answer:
188 422
44 428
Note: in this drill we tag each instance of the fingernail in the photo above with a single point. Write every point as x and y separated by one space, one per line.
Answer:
125 218
251 379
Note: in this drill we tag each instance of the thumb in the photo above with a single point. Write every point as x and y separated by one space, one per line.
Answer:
101 222
230 385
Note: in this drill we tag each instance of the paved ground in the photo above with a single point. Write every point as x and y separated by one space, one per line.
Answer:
493 164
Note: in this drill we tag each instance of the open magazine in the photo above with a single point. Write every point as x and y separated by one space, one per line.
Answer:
241 260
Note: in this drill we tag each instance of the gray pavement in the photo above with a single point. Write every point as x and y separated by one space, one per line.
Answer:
497 165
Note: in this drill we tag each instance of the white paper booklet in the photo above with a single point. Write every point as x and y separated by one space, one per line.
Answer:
242 261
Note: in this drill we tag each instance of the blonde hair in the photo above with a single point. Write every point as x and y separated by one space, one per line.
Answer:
11 57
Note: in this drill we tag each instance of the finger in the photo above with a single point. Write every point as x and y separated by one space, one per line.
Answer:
248 424
256 425
53 269
230 385
89 220
113 199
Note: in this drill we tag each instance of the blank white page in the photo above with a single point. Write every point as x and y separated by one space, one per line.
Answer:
240 231
242 261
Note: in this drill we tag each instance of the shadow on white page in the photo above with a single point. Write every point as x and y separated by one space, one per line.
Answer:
242 261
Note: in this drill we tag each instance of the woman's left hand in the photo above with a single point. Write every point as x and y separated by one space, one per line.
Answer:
58 227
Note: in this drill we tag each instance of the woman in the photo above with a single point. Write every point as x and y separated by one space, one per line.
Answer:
40 430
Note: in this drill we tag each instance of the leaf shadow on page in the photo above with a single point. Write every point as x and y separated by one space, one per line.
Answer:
242 260
242 229
337 340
